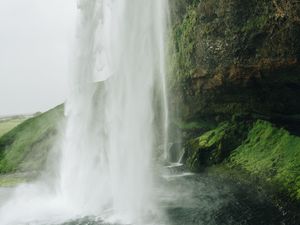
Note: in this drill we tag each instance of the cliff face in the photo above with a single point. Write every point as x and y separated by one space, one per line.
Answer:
236 84
236 57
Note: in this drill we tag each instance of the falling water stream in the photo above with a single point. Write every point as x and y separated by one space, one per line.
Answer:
105 172
105 164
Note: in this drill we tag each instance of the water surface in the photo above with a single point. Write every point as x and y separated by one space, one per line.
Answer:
199 199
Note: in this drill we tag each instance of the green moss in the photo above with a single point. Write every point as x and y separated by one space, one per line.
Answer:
25 147
258 148
272 154
185 45
215 145
256 23
192 125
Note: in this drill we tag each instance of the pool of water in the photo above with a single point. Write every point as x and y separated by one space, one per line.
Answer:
202 199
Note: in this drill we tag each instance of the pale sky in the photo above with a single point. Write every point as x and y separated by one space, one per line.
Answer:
36 38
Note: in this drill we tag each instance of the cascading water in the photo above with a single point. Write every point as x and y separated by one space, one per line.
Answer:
110 130
116 116
106 159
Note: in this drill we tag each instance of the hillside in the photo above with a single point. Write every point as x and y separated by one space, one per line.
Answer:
24 148
8 124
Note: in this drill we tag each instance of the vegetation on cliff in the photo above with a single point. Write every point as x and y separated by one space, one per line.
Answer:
233 56
215 145
257 147
272 154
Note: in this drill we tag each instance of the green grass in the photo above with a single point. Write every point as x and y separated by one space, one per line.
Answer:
272 154
214 146
10 180
9 124
256 148
184 40
25 147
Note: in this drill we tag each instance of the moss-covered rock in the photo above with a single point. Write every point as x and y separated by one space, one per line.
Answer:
272 154
258 148
215 145
234 56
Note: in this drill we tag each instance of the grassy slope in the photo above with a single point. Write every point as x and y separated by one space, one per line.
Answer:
9 124
258 148
25 147
272 154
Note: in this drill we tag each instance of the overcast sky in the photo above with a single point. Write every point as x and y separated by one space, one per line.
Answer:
35 52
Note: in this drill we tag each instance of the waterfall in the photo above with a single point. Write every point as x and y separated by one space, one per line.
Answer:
109 139
106 166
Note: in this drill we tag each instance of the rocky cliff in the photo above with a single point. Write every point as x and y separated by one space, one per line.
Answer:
235 82
237 57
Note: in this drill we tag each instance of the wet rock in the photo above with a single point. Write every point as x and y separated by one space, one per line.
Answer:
215 146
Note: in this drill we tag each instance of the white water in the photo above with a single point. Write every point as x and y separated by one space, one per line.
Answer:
106 160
